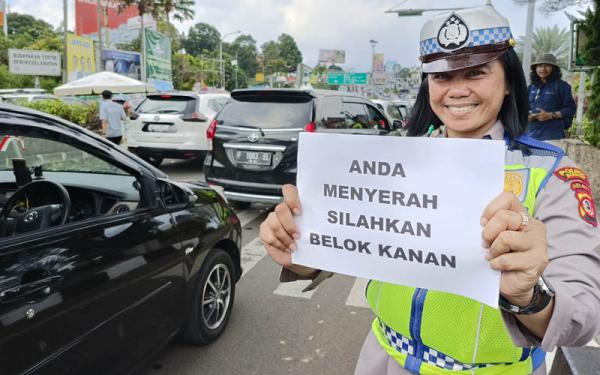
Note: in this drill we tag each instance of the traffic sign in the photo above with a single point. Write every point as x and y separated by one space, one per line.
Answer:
356 79
335 78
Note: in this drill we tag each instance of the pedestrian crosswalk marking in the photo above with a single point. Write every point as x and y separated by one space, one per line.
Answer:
248 215
357 294
294 289
252 253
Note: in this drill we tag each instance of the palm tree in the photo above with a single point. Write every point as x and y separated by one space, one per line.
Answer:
181 9
549 40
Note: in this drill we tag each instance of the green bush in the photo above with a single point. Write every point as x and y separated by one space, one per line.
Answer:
591 132
83 115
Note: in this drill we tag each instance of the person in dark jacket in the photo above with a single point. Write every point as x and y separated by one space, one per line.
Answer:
551 103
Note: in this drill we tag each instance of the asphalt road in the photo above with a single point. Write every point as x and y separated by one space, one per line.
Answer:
274 328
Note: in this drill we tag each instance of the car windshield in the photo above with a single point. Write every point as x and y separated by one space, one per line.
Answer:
167 104
52 156
266 115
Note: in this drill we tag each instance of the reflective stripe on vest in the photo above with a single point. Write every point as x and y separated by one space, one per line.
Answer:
429 331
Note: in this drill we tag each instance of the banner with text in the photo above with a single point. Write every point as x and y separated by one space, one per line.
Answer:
35 63
392 212
158 61
81 57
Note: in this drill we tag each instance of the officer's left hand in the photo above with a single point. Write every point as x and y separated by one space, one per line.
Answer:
520 253
543 115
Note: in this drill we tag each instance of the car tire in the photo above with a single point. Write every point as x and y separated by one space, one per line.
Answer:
154 159
238 205
208 319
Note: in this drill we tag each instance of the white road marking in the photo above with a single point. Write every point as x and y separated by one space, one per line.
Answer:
248 215
252 253
357 294
294 289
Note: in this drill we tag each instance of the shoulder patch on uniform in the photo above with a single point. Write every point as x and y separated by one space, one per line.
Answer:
580 184
572 174
587 207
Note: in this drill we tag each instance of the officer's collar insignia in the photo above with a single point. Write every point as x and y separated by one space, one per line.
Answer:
453 34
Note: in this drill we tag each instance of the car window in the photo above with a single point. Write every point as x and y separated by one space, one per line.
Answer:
266 115
394 112
376 119
53 156
356 116
167 104
332 114
216 104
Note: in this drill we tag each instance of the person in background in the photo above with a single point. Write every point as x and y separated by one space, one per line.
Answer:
551 104
111 115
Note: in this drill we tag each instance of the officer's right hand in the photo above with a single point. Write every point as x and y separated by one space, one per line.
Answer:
279 232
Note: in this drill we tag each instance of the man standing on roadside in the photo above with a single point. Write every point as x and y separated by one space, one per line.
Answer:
111 115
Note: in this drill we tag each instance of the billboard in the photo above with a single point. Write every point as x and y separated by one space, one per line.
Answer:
2 12
378 65
81 60
117 27
34 63
123 62
158 61
332 56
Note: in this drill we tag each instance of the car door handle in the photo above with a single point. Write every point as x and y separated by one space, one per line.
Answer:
23 290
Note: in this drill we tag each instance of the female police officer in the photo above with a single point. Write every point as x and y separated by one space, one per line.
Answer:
541 233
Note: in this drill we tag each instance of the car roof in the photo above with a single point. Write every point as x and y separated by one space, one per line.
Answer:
288 91
190 94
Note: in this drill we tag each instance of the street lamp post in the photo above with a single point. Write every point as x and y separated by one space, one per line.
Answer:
528 39
221 56
373 44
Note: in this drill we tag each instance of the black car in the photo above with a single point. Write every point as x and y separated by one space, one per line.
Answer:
103 259
255 136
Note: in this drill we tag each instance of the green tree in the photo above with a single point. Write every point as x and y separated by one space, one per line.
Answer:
591 54
24 24
181 9
548 40
245 48
288 51
200 37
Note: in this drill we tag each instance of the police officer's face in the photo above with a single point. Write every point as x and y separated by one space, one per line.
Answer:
543 70
468 101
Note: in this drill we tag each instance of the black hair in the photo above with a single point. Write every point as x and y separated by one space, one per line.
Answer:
555 75
106 94
513 112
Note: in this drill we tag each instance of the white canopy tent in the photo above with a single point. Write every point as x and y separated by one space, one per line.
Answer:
96 83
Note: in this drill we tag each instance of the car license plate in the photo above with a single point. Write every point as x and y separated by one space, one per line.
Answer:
159 128
253 157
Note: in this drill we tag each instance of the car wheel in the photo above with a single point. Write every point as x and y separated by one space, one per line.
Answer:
213 298
154 159
240 205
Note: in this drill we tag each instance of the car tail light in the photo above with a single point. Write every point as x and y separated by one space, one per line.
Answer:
382 123
166 96
211 130
310 127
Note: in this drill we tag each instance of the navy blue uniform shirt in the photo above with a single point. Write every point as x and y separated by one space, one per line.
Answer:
552 96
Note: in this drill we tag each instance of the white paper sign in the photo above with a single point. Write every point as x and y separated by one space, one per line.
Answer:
399 209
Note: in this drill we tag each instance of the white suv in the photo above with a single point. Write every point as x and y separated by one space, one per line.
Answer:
173 125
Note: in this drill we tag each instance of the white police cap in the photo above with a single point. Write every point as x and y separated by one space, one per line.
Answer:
464 38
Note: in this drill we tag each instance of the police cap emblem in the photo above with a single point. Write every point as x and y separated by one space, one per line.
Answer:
453 34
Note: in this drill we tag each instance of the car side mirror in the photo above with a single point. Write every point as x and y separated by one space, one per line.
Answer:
134 116
398 124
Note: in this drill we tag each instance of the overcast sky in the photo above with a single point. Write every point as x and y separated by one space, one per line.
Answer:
321 24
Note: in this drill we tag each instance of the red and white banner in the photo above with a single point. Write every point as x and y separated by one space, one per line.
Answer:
86 15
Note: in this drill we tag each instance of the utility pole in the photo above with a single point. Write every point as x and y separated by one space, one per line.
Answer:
143 49
65 30
99 45
5 21
528 39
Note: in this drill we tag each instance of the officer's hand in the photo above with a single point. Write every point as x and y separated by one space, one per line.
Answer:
519 252
279 232
543 115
